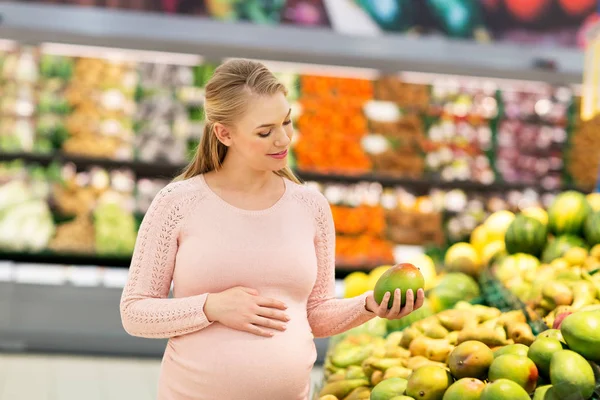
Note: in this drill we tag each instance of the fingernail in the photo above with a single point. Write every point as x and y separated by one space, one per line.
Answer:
388 294
271 334
287 317
284 327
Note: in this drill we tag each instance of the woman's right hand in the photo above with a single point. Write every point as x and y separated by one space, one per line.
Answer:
243 309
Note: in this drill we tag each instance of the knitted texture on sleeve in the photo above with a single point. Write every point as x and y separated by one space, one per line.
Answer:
146 310
327 315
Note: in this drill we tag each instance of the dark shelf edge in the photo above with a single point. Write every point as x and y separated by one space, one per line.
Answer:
168 171
92 260
67 259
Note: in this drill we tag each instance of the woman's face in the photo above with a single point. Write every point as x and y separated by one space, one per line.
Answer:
262 136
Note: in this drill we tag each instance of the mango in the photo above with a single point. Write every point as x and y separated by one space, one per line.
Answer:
465 389
512 317
360 393
434 349
489 336
409 334
376 377
397 372
517 349
518 369
520 332
403 397
389 388
571 374
352 356
382 364
557 293
470 359
342 389
552 333
584 293
402 276
456 320
417 362
543 393
504 389
396 352
328 397
541 352
429 383
581 331
452 338
394 338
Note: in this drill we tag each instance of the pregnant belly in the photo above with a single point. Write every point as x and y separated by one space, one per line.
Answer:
225 364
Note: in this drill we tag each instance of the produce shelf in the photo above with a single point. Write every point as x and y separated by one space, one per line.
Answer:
214 39
168 171
93 260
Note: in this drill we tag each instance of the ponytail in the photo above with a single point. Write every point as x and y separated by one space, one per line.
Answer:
209 155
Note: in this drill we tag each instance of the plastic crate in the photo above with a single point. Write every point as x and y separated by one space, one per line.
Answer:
497 295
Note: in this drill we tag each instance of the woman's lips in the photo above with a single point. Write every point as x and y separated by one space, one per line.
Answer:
280 155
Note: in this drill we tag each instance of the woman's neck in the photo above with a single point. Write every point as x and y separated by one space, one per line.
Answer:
241 178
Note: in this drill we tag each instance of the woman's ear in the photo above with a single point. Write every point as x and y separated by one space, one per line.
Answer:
222 133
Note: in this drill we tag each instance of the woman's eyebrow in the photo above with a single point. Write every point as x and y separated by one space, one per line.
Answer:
269 125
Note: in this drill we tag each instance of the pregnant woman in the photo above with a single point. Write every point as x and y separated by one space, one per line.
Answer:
250 252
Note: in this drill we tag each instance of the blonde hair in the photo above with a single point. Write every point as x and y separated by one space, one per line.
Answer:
226 99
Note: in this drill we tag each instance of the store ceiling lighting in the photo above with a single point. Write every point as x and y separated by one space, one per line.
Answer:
485 82
121 55
318 69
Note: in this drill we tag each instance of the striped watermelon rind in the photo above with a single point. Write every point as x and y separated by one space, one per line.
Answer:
560 245
526 235
567 213
591 229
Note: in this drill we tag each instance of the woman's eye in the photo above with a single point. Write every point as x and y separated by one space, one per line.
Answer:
289 121
264 135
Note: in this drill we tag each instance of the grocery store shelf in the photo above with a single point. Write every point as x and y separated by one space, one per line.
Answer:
215 40
140 168
66 259
92 260
168 171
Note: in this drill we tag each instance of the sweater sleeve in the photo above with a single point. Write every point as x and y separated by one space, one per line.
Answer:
328 315
146 310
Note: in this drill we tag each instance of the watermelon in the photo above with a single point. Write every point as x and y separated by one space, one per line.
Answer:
559 246
567 213
591 229
526 235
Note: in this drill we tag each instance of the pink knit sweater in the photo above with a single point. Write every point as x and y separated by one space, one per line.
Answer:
193 238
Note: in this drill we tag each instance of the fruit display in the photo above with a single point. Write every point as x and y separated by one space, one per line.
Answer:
101 96
331 124
26 222
19 76
59 209
467 352
548 259
165 125
459 136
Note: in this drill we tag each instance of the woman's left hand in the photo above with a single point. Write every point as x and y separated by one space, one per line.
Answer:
396 312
